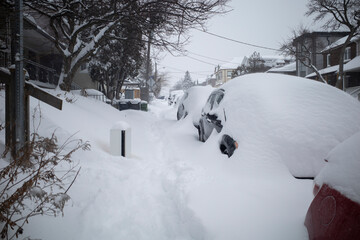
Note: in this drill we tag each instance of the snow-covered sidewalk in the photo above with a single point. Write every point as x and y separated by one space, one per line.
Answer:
172 186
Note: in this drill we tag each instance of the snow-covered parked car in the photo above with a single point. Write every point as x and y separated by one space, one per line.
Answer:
192 101
175 96
295 119
334 212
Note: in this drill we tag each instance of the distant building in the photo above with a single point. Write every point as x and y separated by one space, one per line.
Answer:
209 80
276 61
225 71
289 69
330 67
314 43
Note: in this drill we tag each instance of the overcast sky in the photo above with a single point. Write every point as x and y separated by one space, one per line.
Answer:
261 22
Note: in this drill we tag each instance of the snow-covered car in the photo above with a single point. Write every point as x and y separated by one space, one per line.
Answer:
334 212
175 96
296 119
192 101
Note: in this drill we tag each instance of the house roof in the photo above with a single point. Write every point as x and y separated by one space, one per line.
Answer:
354 91
238 61
353 65
202 80
291 67
318 34
233 64
340 42
325 71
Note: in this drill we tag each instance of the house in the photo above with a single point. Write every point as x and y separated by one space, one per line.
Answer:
276 61
131 89
289 69
209 80
42 60
310 45
224 71
331 56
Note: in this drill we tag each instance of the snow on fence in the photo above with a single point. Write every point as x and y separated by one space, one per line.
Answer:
92 93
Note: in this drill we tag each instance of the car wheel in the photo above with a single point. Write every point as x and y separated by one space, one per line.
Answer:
180 111
228 145
201 132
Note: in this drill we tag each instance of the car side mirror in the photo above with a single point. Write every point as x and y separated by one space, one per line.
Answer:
212 117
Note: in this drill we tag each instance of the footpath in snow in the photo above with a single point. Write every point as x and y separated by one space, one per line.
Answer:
172 186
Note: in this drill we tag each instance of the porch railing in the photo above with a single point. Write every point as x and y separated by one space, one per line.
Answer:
40 72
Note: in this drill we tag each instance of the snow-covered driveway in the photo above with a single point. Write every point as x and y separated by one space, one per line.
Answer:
172 186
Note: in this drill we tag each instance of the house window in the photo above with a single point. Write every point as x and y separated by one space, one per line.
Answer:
229 74
328 60
347 54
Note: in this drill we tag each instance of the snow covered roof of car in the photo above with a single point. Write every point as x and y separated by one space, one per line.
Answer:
292 119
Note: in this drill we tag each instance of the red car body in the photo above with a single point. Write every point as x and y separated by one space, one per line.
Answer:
332 216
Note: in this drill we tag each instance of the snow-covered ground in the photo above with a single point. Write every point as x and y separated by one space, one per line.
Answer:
171 187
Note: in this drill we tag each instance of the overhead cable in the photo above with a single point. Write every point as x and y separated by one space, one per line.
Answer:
237 41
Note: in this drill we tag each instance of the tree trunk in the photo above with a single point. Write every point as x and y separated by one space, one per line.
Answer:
318 74
67 73
120 83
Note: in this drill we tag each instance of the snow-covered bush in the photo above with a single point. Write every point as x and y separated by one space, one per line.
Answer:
36 181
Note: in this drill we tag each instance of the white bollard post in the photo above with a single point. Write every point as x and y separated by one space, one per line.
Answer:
120 139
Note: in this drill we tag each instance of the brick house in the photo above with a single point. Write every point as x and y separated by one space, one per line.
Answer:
330 66
315 42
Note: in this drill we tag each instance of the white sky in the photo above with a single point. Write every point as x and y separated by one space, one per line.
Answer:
260 22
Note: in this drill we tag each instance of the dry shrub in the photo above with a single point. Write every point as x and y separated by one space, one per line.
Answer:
36 181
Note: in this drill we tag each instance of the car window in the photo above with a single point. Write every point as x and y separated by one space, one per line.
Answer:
218 97
209 103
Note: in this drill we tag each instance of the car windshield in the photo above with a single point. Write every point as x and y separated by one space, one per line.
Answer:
209 103
218 97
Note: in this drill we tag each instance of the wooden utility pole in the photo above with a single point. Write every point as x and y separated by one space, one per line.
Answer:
145 88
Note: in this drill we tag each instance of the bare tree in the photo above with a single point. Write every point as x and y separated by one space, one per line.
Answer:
255 63
337 14
240 70
161 80
305 56
81 26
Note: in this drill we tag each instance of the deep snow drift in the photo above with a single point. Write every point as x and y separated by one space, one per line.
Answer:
172 186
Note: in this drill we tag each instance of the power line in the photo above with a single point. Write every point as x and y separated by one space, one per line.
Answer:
183 71
237 41
224 61
215 65
206 56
